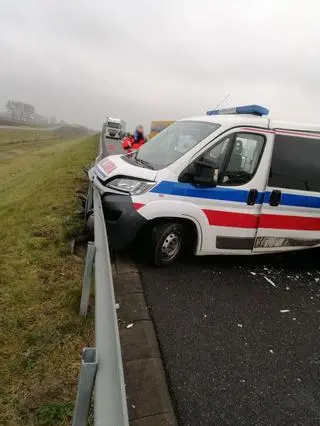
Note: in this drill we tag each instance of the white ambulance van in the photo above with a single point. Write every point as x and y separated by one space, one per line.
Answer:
231 182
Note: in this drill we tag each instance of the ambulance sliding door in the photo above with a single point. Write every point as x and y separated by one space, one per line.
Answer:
290 216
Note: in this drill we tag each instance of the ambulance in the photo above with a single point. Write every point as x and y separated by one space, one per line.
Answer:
231 182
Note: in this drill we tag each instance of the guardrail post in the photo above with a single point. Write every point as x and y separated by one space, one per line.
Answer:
85 386
87 279
89 200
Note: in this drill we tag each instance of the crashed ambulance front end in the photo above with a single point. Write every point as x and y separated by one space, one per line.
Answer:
119 182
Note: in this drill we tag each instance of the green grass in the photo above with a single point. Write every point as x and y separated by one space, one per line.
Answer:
25 134
41 335
15 142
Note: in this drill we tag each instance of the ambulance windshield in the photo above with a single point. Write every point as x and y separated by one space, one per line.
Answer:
173 142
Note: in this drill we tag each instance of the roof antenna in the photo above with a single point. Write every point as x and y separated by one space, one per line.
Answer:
223 100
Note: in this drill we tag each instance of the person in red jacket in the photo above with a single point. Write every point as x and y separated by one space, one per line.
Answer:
135 141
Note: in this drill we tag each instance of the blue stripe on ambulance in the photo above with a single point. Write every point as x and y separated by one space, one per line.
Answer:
231 194
100 173
296 200
218 193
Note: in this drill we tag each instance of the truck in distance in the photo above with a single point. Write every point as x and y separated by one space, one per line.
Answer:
114 128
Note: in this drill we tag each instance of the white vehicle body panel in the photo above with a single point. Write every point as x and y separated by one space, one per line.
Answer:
221 214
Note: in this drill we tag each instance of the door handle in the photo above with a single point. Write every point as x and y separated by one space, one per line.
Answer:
252 197
275 198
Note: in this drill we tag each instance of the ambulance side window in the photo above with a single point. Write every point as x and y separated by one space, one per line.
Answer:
295 163
244 159
237 157
217 153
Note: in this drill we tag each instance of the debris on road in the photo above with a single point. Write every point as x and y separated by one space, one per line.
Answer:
269 281
130 325
287 346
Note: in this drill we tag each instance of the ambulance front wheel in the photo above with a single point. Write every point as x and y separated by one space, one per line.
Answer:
167 243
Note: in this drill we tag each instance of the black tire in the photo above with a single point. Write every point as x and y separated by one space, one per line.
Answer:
163 235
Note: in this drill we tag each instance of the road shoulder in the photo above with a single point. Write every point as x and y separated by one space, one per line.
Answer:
148 397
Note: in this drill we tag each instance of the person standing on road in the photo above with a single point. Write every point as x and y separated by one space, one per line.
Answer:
135 141
139 135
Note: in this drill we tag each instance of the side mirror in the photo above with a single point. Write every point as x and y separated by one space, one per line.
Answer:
201 173
215 176
208 177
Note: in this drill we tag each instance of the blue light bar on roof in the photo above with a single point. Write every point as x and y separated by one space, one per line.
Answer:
245 109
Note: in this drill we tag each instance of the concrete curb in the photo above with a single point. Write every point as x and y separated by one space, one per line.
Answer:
149 402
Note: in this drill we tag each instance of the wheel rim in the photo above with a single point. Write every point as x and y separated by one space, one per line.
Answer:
171 246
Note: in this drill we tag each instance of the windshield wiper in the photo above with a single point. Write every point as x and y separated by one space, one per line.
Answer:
145 163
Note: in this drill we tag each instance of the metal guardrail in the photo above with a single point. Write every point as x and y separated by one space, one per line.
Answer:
110 396
102 366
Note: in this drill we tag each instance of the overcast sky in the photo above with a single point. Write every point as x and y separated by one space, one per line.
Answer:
142 59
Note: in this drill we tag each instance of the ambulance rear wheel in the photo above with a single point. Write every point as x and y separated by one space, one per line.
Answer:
167 243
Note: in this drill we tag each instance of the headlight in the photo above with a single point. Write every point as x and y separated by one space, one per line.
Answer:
132 186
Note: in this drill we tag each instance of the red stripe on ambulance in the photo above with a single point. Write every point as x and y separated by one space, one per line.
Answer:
269 221
299 223
234 220
137 206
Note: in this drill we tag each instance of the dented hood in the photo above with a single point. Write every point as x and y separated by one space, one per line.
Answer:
115 165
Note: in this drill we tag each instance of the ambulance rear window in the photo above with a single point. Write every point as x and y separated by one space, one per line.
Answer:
174 141
295 163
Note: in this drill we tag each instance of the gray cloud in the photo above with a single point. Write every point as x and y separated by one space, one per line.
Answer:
144 60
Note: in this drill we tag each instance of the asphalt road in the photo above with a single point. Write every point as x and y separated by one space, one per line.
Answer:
111 147
238 350
239 336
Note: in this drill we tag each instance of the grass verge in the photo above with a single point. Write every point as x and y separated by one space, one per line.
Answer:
10 137
17 135
42 335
